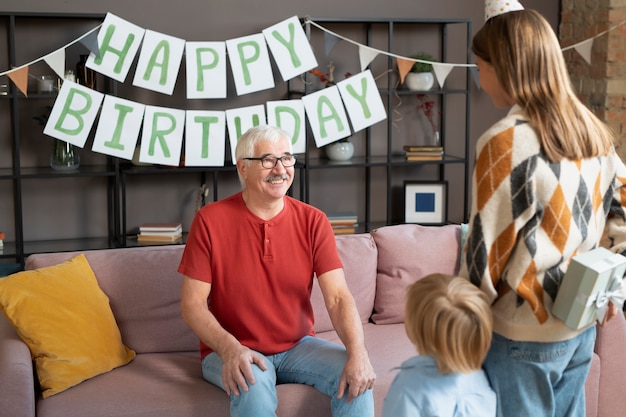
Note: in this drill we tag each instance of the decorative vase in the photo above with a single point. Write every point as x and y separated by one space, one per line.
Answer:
419 81
64 156
339 151
85 76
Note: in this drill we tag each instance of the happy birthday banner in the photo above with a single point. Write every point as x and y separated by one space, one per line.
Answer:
333 113
162 129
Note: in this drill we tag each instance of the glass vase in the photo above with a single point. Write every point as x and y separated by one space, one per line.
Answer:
64 156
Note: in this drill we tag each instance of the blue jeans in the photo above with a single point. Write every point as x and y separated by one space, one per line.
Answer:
312 361
540 379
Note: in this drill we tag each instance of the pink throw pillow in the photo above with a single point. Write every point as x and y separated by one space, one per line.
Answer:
407 253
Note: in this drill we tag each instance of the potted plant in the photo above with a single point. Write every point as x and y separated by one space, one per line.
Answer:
421 77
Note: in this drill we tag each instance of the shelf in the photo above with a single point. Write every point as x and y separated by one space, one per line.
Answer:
162 169
6 174
436 91
377 161
31 95
131 241
65 245
81 171
356 161
447 159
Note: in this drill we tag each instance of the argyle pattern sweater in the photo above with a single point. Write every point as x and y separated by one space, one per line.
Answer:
529 217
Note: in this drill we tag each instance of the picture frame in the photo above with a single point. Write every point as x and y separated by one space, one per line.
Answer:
426 202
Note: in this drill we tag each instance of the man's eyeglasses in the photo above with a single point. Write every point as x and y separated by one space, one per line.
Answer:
270 162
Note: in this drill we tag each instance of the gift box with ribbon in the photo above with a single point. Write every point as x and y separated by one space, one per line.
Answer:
592 281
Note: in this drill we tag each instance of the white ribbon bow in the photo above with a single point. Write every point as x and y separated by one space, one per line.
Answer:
613 294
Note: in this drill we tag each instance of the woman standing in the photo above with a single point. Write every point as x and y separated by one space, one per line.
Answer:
546 179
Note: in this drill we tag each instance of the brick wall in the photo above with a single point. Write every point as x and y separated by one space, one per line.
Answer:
601 85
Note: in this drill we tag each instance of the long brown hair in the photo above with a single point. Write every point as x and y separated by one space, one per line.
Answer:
529 63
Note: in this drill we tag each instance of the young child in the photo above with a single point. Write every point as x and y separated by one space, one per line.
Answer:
449 321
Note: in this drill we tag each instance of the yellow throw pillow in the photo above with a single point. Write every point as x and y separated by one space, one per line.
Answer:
64 317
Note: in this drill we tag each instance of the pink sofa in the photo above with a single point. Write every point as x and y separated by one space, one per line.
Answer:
165 378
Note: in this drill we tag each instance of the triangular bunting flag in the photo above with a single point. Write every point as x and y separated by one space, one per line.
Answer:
91 42
366 55
584 49
404 66
475 76
56 61
20 78
330 41
441 72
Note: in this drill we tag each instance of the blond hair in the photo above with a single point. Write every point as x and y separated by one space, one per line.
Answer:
449 318
528 60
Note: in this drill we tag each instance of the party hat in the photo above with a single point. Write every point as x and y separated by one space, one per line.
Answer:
496 7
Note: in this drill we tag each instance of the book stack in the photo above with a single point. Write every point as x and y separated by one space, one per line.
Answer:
423 153
160 233
343 223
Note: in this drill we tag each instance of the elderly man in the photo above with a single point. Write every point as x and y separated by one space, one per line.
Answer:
248 268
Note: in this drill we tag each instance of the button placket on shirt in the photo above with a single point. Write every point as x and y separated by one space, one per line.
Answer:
267 247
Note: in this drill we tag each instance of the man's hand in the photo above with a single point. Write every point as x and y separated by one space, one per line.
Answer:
358 376
237 368
237 359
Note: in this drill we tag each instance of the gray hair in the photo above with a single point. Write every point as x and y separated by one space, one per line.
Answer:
248 141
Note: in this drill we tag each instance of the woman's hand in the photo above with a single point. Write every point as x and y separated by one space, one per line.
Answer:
611 312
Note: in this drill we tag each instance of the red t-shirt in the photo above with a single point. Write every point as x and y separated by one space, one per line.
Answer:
261 272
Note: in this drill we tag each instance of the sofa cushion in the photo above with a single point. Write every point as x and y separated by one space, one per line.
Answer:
407 253
144 288
153 385
358 255
387 346
610 342
65 319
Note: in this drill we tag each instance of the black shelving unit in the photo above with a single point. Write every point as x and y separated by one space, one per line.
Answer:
16 27
379 168
204 175
396 168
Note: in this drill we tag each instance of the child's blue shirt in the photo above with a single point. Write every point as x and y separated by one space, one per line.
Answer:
421 390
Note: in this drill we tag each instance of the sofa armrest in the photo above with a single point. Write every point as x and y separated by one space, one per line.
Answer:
611 348
17 381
